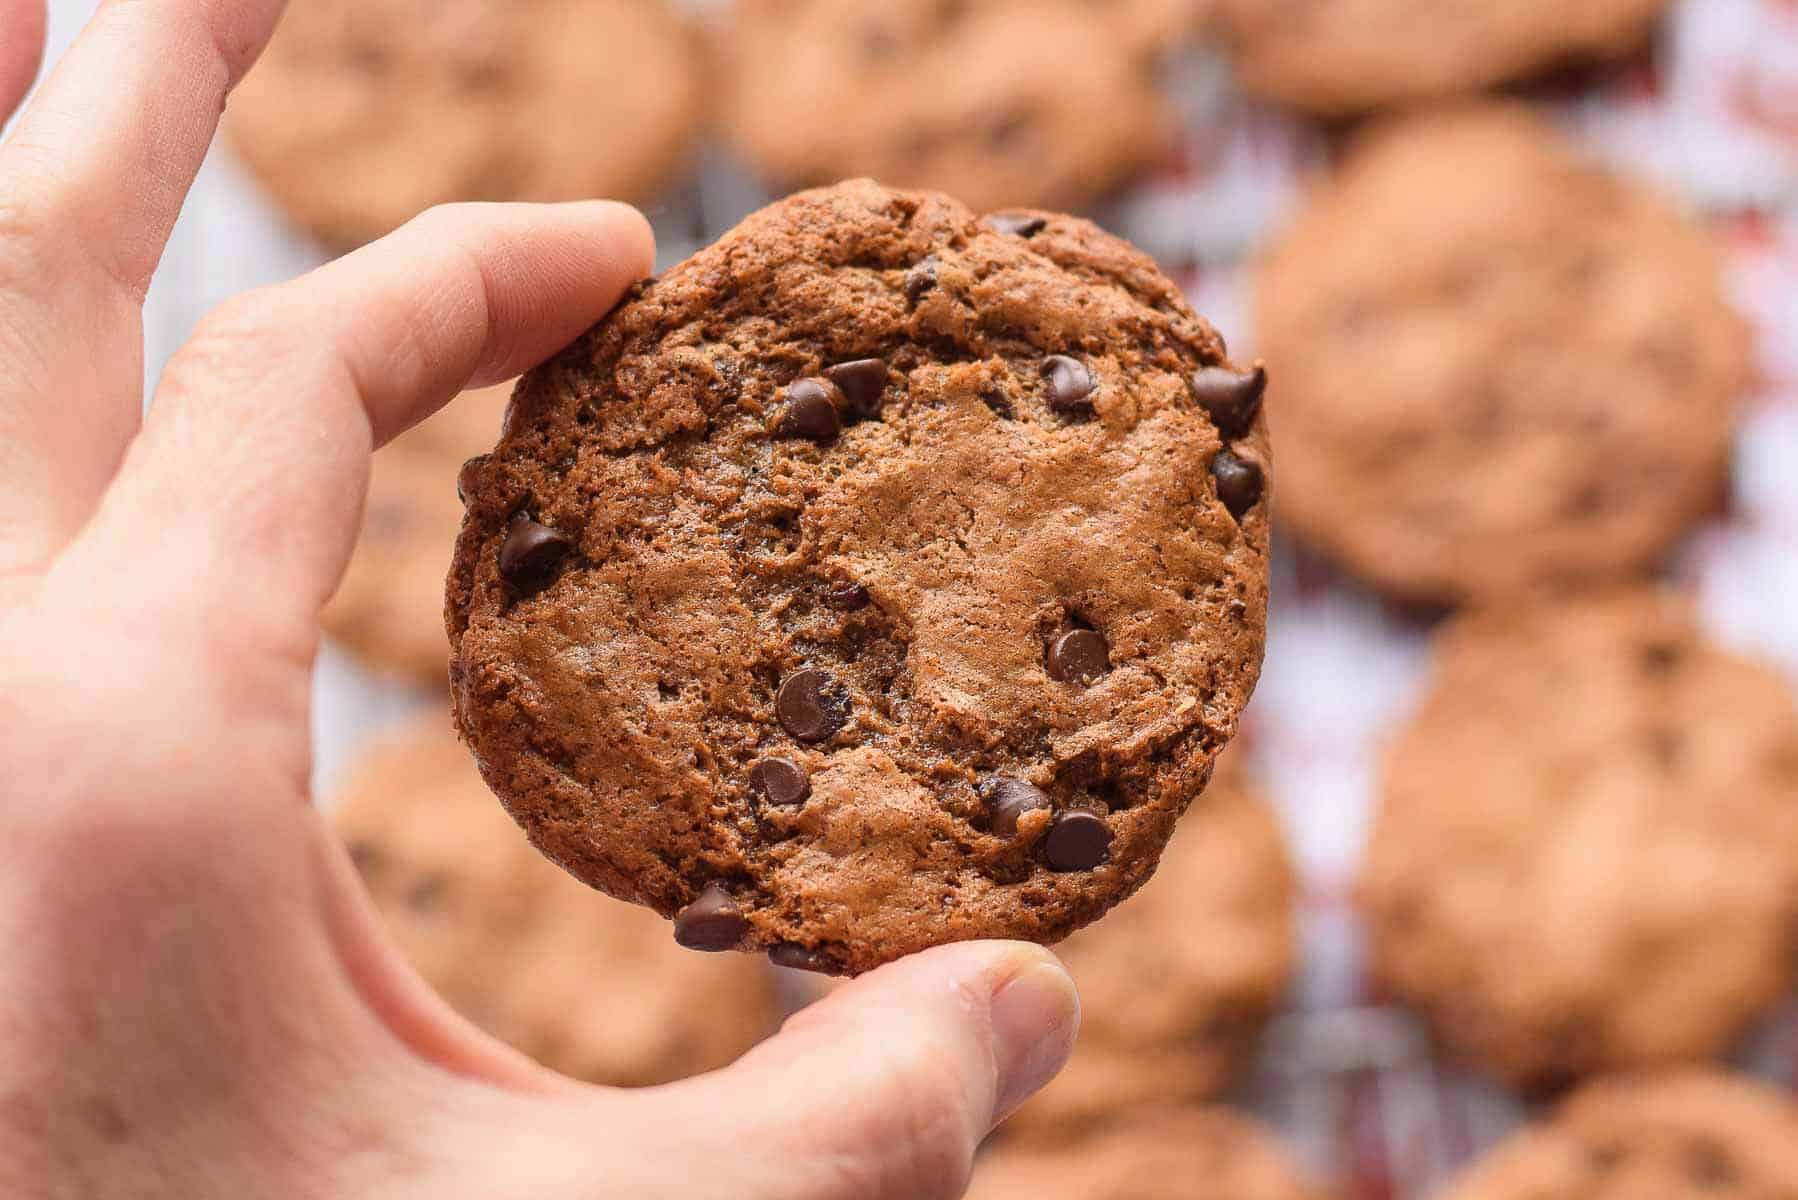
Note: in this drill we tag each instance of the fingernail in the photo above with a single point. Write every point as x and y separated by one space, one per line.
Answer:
1035 1014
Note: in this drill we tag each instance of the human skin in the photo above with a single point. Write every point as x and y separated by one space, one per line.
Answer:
195 1000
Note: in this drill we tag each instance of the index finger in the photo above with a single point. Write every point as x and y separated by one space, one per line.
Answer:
21 49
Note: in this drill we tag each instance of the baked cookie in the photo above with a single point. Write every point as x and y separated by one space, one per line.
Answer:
882 576
1586 858
1176 984
1030 103
1337 58
1501 368
389 608
1168 1153
1687 1136
578 981
364 113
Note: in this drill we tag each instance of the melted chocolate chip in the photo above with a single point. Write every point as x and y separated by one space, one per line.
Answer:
1024 225
920 280
1078 841
1068 384
850 596
863 384
1008 799
712 922
1079 656
795 957
1232 399
780 781
811 411
811 706
1238 482
529 556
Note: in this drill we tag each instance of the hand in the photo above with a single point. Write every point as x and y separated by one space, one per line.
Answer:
194 998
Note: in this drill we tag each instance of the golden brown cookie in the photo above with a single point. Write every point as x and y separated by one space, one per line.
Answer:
582 983
364 113
1019 103
1341 57
1693 1135
1586 857
1501 367
882 576
1178 981
1168 1153
389 608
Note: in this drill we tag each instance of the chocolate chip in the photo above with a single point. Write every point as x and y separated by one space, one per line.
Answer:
795 957
1078 841
780 781
712 922
1232 399
1068 384
1008 799
863 384
1024 225
1238 482
850 596
465 478
810 706
1080 656
811 411
920 280
529 556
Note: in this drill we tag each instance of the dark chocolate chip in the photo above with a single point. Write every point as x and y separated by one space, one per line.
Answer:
529 556
1067 384
1024 225
1008 799
712 922
780 781
920 280
1078 841
863 384
811 706
1238 482
1080 656
1232 399
795 957
811 411
465 477
850 596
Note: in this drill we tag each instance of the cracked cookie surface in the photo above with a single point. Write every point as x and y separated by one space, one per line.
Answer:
882 576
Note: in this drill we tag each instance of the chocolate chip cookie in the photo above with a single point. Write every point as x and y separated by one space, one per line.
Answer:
1342 57
1168 1153
882 576
363 113
1587 853
1502 367
1045 103
389 608
582 983
1685 1136
1176 984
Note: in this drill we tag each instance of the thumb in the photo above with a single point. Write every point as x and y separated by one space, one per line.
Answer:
885 1090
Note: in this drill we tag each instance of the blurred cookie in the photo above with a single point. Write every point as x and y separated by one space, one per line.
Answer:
1166 1153
1586 858
584 984
389 608
364 113
1000 103
879 577
1341 57
1501 367
1177 982
1687 1136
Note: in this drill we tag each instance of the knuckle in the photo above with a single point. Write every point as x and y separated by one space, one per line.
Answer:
245 333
